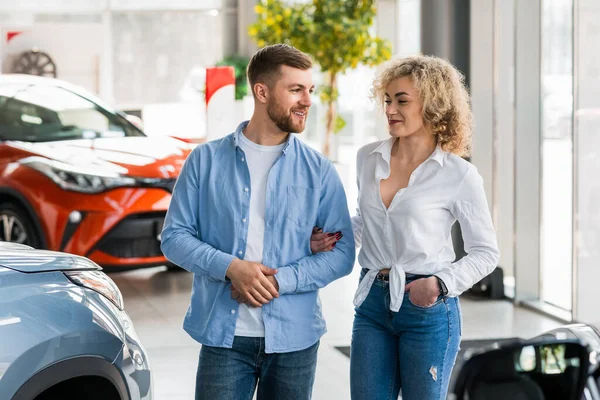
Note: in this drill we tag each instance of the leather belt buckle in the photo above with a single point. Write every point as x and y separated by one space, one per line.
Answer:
383 277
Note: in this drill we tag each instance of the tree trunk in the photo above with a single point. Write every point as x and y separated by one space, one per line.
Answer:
331 114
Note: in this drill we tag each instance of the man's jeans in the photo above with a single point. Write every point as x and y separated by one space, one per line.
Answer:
232 374
413 349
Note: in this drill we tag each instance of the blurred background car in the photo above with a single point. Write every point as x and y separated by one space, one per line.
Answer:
78 176
64 333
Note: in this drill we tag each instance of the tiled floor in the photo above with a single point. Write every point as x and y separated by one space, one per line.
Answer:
157 300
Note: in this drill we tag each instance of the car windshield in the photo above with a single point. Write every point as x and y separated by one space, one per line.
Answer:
46 113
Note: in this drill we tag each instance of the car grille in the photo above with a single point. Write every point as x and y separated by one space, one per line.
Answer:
136 236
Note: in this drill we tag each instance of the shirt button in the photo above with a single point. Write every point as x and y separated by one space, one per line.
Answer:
232 311
240 252
246 189
244 220
242 159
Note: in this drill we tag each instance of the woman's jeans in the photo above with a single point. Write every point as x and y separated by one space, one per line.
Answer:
413 349
232 374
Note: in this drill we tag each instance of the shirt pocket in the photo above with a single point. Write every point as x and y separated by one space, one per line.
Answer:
301 205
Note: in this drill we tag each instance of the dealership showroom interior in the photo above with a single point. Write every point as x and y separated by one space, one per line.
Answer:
155 246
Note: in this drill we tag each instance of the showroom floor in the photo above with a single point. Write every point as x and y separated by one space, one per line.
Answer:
157 300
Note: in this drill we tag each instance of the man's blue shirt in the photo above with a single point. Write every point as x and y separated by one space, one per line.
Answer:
206 228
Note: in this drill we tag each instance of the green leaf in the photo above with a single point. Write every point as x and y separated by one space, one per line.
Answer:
327 94
339 124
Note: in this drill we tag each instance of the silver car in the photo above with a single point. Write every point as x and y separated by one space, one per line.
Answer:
64 333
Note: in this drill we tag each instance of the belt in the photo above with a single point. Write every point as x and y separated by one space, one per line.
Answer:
380 276
383 277
386 277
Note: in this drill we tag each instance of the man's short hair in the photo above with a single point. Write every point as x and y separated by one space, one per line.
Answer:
265 64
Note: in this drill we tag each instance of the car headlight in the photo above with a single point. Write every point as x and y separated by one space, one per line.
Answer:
99 282
78 179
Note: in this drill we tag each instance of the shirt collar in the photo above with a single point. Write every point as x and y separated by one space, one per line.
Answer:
438 155
385 149
244 124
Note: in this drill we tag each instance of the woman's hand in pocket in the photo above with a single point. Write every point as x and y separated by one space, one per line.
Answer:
423 292
323 241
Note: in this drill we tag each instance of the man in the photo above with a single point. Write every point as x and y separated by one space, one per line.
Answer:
241 218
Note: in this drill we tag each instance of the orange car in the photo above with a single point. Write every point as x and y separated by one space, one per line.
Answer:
77 176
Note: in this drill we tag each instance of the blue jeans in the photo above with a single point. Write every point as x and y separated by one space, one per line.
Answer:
413 349
232 374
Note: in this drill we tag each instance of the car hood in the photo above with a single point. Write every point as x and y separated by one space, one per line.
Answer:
148 157
26 259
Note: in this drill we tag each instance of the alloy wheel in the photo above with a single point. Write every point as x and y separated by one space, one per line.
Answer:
12 229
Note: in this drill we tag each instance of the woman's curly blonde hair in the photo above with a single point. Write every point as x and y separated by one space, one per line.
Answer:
441 87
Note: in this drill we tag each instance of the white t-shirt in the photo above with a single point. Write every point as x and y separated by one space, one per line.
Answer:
260 159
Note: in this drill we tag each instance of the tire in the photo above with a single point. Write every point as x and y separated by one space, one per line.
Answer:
86 387
16 226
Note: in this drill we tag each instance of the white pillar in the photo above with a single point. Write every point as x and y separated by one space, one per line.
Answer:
106 91
388 22
408 15
2 44
246 17
503 168
482 90
229 27
527 149
586 155
388 27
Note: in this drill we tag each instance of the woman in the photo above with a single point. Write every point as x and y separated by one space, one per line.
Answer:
412 188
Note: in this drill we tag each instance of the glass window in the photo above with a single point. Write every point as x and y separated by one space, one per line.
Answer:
41 113
557 153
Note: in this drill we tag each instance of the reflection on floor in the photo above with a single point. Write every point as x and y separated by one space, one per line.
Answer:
156 300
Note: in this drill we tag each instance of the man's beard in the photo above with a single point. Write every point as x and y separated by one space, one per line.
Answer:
284 120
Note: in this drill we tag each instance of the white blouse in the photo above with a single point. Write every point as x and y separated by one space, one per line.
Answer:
413 234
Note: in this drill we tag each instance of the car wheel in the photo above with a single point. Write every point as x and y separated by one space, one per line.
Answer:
16 226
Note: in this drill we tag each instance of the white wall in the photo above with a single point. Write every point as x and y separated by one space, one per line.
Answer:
79 6
77 61
157 55
155 40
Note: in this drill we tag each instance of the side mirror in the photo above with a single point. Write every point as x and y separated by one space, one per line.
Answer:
530 370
